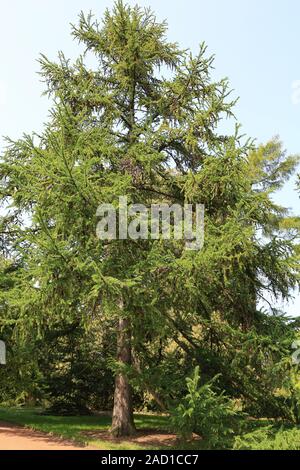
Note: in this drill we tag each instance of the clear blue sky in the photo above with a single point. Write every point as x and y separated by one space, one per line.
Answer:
256 43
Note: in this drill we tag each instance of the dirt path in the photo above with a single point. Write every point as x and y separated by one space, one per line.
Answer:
13 437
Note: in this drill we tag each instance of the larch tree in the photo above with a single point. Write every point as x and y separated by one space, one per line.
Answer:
144 124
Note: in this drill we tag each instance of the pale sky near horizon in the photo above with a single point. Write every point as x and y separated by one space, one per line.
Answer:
256 43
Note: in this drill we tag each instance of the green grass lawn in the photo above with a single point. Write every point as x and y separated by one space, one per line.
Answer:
262 434
75 427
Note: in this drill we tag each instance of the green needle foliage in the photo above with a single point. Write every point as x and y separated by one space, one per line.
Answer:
146 123
204 412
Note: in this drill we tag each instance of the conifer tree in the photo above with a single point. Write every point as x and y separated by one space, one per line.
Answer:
144 124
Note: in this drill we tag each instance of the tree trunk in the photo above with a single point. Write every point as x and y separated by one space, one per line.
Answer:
122 421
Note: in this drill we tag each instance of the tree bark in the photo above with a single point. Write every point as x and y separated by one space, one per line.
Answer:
123 421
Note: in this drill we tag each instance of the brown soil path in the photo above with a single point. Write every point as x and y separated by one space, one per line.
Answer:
13 437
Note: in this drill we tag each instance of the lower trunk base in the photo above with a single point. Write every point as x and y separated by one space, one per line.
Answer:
122 421
121 430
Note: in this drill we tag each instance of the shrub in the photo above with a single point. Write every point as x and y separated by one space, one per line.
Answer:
206 413
268 438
